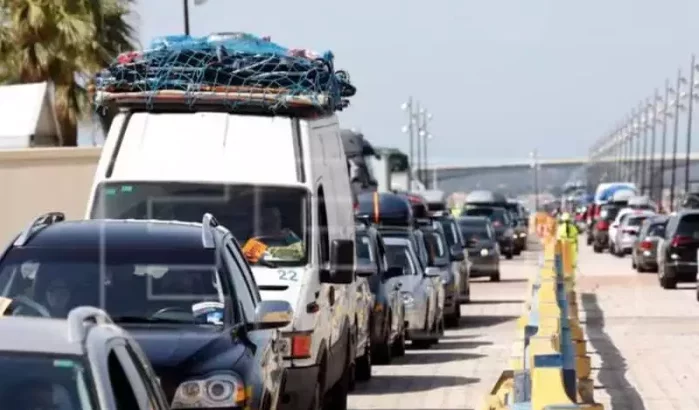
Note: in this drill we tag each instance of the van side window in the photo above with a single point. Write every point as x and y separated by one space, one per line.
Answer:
324 239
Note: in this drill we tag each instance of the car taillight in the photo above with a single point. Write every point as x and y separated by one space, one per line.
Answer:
602 225
680 240
646 245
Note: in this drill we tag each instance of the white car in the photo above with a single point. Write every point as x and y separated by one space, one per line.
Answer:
624 231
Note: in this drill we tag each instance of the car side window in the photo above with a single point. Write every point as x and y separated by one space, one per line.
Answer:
125 398
243 293
381 254
148 376
324 238
237 254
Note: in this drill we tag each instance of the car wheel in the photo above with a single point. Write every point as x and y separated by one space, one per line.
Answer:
452 321
495 277
589 240
508 255
596 249
667 282
633 262
382 352
399 344
517 252
363 366
337 396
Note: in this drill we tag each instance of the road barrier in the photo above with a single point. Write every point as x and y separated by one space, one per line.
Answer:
549 366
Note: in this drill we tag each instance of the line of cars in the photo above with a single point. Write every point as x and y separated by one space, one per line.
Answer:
628 224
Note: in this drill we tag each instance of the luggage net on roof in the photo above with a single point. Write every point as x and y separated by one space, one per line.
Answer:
237 70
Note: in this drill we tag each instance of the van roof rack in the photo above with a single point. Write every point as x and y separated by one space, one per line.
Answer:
77 329
208 224
39 222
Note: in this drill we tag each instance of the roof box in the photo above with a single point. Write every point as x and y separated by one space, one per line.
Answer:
419 205
485 197
385 208
623 195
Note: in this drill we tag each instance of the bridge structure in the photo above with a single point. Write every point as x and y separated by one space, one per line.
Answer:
518 177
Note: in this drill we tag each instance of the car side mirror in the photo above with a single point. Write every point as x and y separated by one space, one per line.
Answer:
432 272
456 253
272 314
366 270
341 268
394 272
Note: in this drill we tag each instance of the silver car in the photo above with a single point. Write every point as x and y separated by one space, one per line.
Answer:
441 258
627 232
422 292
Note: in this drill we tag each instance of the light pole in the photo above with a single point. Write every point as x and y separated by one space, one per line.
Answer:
690 108
410 130
663 142
678 105
655 120
535 170
185 5
424 135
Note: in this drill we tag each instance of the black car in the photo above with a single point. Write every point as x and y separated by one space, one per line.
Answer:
482 247
520 225
501 222
456 241
677 250
182 290
387 318
644 254
600 227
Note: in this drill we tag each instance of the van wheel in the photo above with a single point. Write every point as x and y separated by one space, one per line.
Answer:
363 366
318 396
337 396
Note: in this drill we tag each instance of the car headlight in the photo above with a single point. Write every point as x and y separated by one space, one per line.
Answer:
522 235
408 298
221 390
484 252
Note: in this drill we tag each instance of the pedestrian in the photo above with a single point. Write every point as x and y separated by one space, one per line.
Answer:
567 231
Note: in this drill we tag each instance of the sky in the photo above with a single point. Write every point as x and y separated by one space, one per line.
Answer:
500 77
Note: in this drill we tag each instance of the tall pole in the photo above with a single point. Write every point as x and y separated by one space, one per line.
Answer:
627 150
663 144
418 141
673 179
535 169
637 129
424 150
644 161
690 106
654 122
410 129
618 153
186 17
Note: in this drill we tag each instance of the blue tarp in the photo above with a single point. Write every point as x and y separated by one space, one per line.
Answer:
608 193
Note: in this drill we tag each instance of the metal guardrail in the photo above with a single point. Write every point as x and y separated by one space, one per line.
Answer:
549 366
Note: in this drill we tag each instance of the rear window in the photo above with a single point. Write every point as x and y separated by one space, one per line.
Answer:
689 226
636 220
474 230
609 212
494 214
656 230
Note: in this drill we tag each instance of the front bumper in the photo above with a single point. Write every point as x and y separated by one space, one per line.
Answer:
299 387
484 265
506 245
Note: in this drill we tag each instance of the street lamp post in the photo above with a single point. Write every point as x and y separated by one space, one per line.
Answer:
644 161
410 130
535 168
663 143
690 107
678 103
654 119
185 6
424 136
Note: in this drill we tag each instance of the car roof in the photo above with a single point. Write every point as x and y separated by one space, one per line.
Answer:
474 218
119 234
37 335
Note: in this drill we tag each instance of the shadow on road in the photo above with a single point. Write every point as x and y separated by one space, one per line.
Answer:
485 321
459 344
387 384
457 337
427 357
612 371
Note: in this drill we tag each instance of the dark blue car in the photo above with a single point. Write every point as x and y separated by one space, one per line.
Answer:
183 290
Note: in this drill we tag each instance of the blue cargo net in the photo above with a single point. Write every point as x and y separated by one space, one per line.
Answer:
237 70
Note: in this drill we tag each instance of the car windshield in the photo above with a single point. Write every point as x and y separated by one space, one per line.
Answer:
32 381
498 216
270 222
474 231
399 255
149 285
689 226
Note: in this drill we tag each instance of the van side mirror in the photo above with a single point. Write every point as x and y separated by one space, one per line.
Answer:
394 272
366 270
432 272
340 270
272 314
456 253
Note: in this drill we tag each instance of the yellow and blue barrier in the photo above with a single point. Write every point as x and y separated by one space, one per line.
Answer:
549 367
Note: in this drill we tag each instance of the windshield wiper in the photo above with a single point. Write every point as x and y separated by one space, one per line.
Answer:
141 319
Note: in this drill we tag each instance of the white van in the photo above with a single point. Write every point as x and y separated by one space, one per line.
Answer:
279 179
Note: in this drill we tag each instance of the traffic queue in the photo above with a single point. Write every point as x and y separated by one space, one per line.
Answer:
622 222
235 271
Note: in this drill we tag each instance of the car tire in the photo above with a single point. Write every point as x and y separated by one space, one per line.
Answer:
337 396
398 347
382 353
318 400
633 262
454 319
665 281
517 252
363 364
589 240
495 277
508 255
597 249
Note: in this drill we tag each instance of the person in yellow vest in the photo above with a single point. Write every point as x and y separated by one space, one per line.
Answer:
456 211
569 232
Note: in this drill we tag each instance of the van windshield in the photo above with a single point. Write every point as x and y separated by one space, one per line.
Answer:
269 222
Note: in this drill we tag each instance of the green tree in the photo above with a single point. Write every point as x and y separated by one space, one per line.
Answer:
65 42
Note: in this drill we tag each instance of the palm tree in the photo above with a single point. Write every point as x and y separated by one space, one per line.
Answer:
65 42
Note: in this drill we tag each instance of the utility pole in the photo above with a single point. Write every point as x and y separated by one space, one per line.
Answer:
186 17
410 130
654 122
690 107
418 141
673 179
663 143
